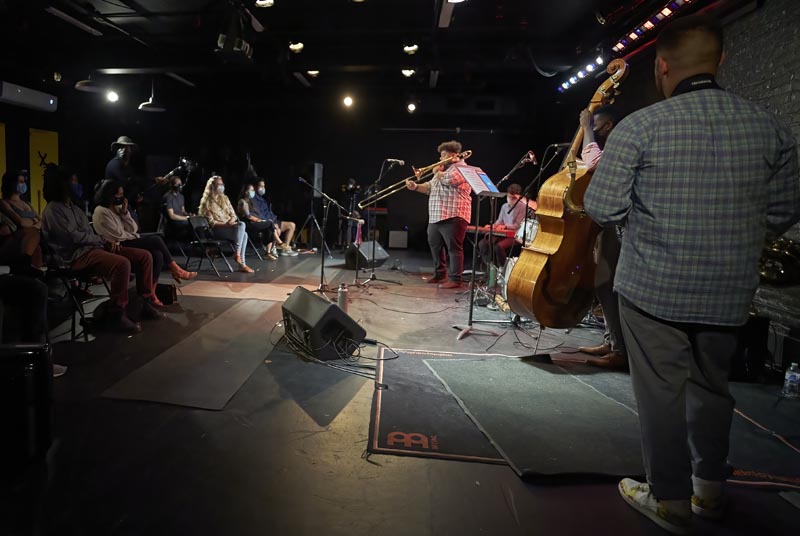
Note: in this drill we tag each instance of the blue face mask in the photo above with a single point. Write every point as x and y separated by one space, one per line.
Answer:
77 190
251 194
22 188
262 191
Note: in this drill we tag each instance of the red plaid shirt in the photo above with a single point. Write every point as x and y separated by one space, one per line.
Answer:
449 196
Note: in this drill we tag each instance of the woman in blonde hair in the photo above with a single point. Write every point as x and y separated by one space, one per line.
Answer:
221 216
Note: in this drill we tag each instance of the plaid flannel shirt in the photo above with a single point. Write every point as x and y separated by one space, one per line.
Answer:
698 179
449 196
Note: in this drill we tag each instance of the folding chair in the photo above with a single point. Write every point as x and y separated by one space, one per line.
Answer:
204 241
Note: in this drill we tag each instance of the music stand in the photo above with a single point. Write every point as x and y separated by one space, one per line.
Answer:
482 186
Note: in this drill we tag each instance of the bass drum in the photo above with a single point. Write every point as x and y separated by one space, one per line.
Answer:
510 262
527 230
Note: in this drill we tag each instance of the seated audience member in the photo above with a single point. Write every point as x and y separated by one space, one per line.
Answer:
264 211
174 205
19 228
112 221
27 297
253 223
505 222
217 209
72 237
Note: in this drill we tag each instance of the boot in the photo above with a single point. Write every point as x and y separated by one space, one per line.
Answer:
179 273
149 312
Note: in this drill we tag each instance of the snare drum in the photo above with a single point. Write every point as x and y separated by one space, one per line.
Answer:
510 262
528 229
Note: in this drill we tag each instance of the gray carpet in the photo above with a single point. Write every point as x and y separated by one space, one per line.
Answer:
208 367
544 421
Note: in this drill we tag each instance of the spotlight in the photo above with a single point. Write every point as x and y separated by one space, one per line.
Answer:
573 80
112 96
313 74
649 25
296 47
408 72
632 36
599 60
590 67
348 101
581 74
265 3
565 85
411 107
410 49
666 12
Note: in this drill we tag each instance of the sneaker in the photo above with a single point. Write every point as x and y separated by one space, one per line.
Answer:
287 252
638 495
59 370
285 247
274 251
709 508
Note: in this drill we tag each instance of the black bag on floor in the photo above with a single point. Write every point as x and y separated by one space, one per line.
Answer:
167 293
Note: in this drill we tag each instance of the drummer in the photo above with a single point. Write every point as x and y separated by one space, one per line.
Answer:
507 220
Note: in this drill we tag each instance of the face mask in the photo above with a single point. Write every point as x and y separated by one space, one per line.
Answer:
22 188
118 201
221 189
262 191
177 187
251 194
121 152
77 190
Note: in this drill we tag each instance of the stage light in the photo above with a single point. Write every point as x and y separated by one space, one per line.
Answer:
581 74
296 47
265 3
408 72
618 47
410 49
590 67
152 105
649 25
573 80
411 107
313 74
112 96
348 101
560 89
632 36
565 85
666 12
599 60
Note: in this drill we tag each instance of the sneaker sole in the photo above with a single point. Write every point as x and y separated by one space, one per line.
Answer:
705 513
652 516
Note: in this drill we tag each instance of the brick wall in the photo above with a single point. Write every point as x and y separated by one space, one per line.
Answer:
763 62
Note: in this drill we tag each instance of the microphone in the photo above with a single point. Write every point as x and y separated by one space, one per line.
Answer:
396 161
560 145
301 179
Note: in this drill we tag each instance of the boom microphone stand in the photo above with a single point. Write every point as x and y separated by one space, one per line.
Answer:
323 286
372 277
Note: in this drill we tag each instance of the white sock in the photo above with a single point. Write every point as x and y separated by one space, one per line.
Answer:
682 507
706 489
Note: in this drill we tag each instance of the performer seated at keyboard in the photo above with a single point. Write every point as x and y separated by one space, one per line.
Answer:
505 222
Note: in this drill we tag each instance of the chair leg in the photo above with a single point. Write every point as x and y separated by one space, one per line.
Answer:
224 258
258 254
211 261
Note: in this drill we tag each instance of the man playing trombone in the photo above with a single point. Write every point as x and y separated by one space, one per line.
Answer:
449 212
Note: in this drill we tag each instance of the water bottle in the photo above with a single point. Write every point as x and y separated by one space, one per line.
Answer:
342 297
791 382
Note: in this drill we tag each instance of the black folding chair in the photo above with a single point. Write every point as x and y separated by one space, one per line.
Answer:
204 241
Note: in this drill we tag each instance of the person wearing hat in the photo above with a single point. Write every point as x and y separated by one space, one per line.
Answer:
120 170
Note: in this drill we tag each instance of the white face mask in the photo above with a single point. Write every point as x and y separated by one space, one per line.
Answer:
262 191
251 194
221 189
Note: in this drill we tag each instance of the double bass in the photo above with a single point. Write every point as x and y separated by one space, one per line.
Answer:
553 280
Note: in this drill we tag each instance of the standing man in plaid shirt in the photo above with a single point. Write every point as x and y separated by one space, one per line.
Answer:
449 212
699 180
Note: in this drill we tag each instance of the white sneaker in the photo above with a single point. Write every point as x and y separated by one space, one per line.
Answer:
59 370
638 495
288 253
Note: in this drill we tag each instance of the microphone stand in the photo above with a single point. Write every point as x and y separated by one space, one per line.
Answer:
372 277
535 182
323 286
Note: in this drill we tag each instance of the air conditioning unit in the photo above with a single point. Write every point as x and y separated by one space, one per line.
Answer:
27 98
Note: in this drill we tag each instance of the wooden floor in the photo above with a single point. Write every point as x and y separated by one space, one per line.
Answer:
266 466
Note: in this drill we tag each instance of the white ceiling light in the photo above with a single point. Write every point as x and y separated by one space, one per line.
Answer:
112 96
296 47
265 3
312 74
348 101
410 49
408 72
411 107
151 105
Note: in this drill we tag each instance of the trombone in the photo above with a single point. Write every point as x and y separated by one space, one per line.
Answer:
420 175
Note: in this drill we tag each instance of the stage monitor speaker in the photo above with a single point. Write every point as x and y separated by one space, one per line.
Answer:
364 255
321 327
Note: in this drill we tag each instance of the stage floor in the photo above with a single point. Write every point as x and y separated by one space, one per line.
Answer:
285 455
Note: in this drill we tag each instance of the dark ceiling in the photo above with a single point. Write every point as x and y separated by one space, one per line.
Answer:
514 49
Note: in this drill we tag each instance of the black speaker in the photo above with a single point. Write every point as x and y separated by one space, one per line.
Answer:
364 255
319 326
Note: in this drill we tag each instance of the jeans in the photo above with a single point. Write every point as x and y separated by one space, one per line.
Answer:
235 234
